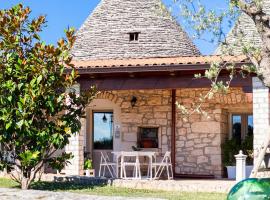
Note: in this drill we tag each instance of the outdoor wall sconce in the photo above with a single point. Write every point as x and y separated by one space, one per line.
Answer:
133 101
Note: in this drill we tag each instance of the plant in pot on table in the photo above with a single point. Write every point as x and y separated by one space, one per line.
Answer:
231 147
88 167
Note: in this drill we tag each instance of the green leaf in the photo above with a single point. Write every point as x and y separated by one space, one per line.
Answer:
8 125
20 123
39 79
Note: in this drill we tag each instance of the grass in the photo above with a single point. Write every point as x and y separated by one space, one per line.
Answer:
115 191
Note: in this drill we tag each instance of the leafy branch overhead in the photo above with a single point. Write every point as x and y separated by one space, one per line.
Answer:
210 25
39 111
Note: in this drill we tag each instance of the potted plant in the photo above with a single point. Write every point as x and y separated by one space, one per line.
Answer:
88 167
231 148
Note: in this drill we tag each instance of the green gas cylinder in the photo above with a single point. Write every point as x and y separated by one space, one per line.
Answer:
251 189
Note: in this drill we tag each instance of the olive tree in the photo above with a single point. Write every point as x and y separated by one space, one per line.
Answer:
210 24
39 111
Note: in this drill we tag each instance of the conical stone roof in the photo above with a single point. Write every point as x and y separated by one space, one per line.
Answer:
106 32
242 34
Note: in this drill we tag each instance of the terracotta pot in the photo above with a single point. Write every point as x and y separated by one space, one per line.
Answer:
147 144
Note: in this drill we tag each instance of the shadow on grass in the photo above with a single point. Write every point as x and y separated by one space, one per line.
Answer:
56 186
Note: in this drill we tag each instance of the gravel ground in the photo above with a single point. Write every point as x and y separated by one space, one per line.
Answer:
16 194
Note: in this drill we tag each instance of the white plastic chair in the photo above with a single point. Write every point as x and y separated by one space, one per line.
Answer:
135 164
105 163
166 162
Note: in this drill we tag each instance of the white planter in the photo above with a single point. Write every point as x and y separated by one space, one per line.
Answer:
231 170
248 170
90 172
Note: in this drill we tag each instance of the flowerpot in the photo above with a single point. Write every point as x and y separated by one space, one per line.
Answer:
147 144
248 170
231 170
90 172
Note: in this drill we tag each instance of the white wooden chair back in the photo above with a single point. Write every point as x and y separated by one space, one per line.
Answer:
104 157
166 163
105 163
167 158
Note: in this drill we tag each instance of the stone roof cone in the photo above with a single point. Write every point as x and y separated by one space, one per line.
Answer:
110 31
244 32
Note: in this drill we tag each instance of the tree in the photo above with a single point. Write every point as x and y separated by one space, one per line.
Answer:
39 110
211 22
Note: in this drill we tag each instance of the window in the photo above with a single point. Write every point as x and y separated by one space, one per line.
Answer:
134 36
103 130
242 126
148 137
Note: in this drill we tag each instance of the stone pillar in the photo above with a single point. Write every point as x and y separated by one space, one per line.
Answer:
240 166
76 147
261 113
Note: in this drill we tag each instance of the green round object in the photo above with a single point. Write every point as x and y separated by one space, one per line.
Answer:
251 189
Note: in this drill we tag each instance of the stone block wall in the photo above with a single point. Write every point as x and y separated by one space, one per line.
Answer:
153 109
76 146
261 112
198 140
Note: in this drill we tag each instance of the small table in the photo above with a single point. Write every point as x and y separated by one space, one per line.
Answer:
137 154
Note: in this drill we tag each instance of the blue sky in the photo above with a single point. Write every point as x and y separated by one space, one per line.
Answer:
63 13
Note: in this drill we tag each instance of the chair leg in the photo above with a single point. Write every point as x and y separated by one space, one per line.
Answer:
100 170
125 173
148 171
171 171
108 166
157 172
99 173
160 172
104 169
138 171
168 174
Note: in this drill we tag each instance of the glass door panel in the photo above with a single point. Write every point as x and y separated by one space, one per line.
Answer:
103 130
236 128
250 125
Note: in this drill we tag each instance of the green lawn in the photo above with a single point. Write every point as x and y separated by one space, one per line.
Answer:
114 191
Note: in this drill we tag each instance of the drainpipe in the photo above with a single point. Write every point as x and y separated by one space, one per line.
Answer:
173 129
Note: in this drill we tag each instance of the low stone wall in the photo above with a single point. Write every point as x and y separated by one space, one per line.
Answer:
222 186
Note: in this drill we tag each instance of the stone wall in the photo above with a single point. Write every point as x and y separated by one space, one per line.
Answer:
153 109
198 140
261 112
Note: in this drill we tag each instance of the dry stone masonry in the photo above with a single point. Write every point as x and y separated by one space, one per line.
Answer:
198 140
105 33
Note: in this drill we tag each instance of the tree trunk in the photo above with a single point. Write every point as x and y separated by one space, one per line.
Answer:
25 183
261 156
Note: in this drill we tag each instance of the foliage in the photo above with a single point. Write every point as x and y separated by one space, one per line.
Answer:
88 164
231 147
39 109
60 162
104 143
210 25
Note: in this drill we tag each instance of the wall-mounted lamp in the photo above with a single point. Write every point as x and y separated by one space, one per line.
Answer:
133 101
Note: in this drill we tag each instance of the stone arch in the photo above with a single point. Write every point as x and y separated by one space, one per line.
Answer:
105 101
110 96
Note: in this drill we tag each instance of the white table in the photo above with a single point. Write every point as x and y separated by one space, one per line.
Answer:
122 154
